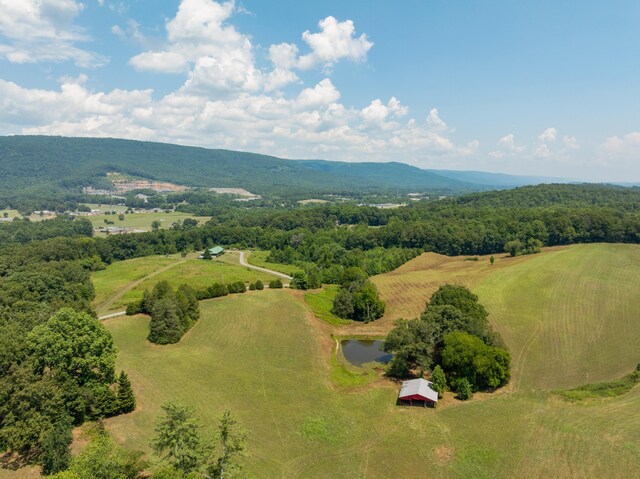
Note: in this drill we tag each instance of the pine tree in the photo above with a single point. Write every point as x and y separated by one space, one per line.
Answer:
178 437
56 456
464 389
232 442
439 380
165 326
126 398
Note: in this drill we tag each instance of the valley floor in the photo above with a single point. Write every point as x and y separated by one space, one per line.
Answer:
568 315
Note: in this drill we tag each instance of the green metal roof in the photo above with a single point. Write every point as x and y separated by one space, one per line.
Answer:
216 250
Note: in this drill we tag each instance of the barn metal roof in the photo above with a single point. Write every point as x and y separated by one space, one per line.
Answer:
418 386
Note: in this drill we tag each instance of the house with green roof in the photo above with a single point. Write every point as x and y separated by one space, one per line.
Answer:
213 252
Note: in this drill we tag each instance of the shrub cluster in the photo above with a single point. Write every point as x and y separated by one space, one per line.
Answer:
172 312
454 334
358 298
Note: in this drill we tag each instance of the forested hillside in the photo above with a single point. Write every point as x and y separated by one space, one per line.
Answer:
37 163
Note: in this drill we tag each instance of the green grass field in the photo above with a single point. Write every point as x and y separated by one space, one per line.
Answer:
142 221
259 258
124 282
321 303
568 315
565 313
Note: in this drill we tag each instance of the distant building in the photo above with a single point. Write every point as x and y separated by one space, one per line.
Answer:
215 252
418 390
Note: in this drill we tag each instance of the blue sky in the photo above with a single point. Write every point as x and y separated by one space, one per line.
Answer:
547 88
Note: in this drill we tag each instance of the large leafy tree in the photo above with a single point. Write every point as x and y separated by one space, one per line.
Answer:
74 345
467 356
412 343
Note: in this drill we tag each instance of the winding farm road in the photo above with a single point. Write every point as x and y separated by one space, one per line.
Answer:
112 315
264 270
130 286
122 291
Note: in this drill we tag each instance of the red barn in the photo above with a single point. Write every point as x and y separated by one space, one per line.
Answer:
418 390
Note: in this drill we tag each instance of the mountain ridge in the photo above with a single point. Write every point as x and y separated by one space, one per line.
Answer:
72 162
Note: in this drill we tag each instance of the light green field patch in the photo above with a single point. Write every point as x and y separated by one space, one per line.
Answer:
259 258
258 355
142 221
126 280
321 304
569 316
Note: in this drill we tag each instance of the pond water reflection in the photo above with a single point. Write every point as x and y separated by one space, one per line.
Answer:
361 351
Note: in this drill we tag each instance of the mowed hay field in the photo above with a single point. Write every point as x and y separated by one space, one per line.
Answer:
142 221
262 356
570 316
124 281
407 288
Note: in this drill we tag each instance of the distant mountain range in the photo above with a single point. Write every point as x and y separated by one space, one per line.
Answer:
500 180
37 162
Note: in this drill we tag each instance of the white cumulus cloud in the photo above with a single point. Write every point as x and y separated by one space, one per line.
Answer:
335 41
34 31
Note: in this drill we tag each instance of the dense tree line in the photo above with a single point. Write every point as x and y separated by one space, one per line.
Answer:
61 374
173 311
24 231
452 337
357 298
57 361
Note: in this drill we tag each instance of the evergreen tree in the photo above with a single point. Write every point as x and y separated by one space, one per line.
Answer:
206 254
126 398
165 326
259 285
463 388
300 280
232 445
439 380
178 437
56 456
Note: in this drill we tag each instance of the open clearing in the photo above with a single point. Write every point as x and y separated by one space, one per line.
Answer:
124 281
259 258
141 221
565 314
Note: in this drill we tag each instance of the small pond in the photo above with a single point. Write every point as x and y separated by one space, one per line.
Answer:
361 351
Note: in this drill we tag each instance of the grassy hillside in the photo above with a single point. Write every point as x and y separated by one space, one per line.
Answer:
124 282
35 163
142 221
569 314
267 359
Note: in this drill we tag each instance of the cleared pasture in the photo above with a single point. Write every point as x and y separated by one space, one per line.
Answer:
261 356
563 313
570 316
259 258
142 221
125 281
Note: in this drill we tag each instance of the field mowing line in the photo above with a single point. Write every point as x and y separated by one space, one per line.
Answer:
519 363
